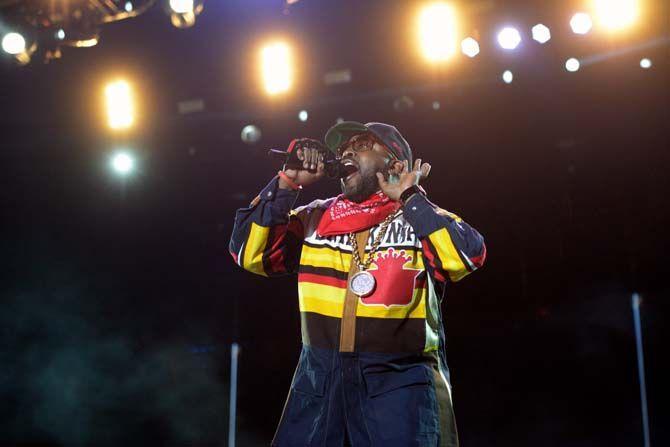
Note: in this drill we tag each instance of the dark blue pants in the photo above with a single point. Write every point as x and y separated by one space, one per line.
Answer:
372 399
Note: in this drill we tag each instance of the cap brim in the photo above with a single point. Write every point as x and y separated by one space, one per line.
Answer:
342 132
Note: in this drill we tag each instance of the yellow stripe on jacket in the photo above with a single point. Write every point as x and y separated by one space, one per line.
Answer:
329 301
325 257
252 257
448 254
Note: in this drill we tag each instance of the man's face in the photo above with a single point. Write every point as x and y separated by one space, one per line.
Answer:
363 156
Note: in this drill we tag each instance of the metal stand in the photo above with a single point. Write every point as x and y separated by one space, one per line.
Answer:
635 301
234 354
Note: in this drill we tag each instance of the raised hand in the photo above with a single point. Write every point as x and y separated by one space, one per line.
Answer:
406 179
312 168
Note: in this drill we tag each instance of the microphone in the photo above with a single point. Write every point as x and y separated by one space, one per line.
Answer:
332 164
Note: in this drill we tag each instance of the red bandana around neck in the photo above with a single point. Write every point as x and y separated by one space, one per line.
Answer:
344 216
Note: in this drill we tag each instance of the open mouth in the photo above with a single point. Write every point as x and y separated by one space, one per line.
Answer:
349 169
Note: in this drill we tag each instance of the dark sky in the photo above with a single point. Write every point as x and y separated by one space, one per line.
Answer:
120 301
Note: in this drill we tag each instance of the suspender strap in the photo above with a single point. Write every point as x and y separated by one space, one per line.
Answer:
348 324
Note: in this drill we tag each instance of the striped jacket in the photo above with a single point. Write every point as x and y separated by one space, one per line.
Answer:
424 248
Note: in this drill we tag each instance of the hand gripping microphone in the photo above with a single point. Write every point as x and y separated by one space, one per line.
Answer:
331 163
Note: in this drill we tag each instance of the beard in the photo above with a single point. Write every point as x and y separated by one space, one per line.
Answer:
361 186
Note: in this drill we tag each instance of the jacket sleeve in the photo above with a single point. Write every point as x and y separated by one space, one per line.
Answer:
451 248
267 237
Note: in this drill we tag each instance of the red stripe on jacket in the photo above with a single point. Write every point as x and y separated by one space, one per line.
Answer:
428 254
321 279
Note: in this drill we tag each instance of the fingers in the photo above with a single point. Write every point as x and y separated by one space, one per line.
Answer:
425 170
316 159
308 153
306 160
321 166
382 181
310 158
316 156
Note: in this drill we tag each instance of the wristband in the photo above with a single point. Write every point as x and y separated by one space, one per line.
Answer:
294 186
409 192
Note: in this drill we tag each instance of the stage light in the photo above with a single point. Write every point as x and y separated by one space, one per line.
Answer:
616 14
128 7
181 6
276 68
509 38
303 115
572 64
645 63
470 47
581 23
183 12
335 77
60 34
19 47
403 104
507 77
88 43
541 33
437 32
14 43
119 105
122 163
251 134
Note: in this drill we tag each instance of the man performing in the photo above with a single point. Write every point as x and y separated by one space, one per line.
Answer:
373 265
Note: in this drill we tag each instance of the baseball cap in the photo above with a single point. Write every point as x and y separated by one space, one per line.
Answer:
341 133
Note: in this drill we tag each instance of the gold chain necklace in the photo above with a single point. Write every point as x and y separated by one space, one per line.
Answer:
363 283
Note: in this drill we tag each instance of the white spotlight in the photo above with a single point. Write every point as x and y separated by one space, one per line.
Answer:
60 34
181 6
128 7
303 115
122 163
581 23
541 33
14 43
509 38
507 77
470 47
645 63
572 64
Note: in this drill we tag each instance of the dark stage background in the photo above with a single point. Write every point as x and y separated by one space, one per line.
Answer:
120 301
